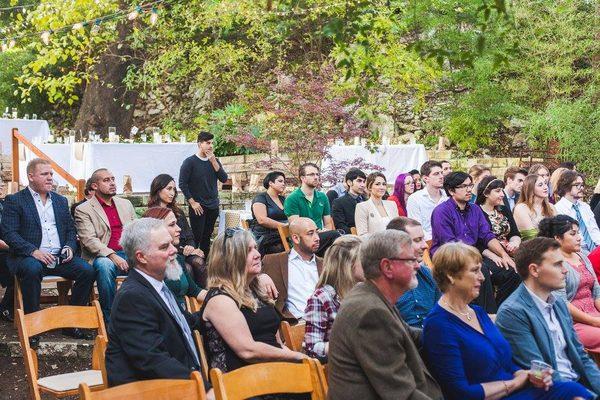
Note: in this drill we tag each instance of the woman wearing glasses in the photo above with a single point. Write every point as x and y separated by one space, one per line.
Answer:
238 320
464 350
404 187
582 290
533 206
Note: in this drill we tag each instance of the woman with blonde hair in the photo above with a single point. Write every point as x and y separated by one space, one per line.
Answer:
533 206
238 321
341 271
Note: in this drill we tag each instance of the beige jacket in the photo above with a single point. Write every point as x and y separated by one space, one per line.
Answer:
367 217
93 227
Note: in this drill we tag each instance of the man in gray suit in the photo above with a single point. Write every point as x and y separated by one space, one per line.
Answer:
372 351
535 319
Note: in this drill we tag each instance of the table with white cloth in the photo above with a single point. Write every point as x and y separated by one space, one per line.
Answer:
141 161
36 130
395 158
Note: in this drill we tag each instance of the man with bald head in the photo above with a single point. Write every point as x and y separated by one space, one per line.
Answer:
295 273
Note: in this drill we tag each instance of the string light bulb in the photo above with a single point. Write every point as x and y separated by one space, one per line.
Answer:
12 43
153 16
134 14
96 28
78 26
45 37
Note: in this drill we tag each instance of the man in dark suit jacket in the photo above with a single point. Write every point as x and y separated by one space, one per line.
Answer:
295 273
149 334
513 183
373 353
38 228
344 206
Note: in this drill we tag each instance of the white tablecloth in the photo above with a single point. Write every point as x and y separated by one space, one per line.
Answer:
141 161
396 159
33 129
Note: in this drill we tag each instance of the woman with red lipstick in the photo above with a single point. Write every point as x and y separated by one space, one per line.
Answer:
533 206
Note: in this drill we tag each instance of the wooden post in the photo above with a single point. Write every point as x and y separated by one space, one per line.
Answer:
80 189
15 156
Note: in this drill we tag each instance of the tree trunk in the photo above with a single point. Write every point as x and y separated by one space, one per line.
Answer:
106 101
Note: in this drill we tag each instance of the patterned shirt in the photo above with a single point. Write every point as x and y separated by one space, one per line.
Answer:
321 310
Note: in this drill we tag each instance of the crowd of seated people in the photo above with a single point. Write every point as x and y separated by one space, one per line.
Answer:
386 324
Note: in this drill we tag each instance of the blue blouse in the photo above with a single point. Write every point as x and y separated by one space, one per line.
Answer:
461 359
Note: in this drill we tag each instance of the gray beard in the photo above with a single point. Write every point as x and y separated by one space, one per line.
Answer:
173 271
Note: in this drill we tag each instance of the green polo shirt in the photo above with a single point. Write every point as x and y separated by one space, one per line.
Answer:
297 204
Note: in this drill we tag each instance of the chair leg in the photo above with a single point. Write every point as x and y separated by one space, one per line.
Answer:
63 291
18 299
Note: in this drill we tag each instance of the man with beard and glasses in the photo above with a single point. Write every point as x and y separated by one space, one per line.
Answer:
295 273
309 202
99 222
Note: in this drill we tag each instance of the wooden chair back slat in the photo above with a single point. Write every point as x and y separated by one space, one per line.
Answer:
353 231
157 389
202 354
63 317
195 304
244 224
427 256
268 378
284 234
188 304
293 336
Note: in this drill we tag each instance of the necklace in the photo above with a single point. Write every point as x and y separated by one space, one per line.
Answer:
466 315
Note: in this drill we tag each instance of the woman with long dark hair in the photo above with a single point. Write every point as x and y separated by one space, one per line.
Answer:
163 193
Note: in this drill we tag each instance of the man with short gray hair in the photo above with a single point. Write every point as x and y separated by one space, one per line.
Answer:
149 334
372 351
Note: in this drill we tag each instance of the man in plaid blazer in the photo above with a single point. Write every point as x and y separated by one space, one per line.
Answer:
39 230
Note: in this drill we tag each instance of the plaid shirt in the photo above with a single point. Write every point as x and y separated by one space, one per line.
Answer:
321 309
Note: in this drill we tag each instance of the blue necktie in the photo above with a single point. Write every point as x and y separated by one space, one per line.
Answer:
587 238
181 321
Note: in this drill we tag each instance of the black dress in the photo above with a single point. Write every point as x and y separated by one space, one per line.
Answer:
268 240
263 325
197 263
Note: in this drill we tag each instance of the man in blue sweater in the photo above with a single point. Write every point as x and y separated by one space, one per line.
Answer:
198 182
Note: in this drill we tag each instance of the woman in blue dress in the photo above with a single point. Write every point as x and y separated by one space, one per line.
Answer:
464 350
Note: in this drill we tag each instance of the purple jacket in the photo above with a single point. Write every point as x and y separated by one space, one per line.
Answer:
450 224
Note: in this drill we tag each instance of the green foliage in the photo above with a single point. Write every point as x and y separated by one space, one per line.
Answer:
11 64
576 126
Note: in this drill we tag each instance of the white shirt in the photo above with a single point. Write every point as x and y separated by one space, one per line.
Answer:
302 279
50 239
563 364
156 284
511 200
420 207
565 206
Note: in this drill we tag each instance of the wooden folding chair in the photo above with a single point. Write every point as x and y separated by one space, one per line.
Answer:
63 286
284 234
269 378
353 231
195 304
201 353
163 389
427 255
63 317
293 336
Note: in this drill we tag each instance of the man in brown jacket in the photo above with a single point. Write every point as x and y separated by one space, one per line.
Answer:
295 274
99 222
372 351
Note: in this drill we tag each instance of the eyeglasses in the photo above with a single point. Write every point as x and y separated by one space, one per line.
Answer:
409 261
469 186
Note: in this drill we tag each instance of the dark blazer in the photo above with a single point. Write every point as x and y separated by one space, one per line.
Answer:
22 229
507 204
342 212
522 324
145 341
276 266
373 352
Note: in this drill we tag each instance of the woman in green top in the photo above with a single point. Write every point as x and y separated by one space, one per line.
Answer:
533 206
177 277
